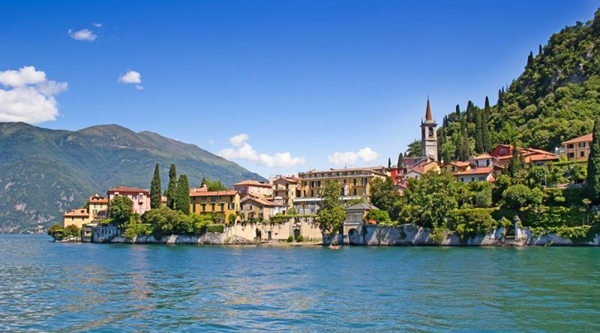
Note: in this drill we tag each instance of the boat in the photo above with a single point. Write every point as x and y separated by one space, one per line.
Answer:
334 247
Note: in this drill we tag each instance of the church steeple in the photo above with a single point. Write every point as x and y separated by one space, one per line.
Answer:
428 116
429 146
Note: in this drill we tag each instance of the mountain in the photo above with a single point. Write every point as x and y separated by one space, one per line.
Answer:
45 172
553 100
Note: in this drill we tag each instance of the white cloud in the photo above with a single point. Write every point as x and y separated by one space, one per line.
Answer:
30 97
244 151
97 25
349 158
132 77
82 35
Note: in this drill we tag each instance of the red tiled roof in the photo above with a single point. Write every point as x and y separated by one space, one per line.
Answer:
125 189
252 183
585 138
196 193
541 157
81 212
476 171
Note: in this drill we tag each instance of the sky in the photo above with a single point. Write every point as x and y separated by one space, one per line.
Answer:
279 87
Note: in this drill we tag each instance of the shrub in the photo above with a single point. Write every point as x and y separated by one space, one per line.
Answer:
437 235
215 228
300 238
290 239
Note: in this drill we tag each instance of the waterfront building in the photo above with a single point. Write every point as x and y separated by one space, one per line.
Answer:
286 189
578 148
97 208
140 197
253 187
223 203
354 183
78 217
256 208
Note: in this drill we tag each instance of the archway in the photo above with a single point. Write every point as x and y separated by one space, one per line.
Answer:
296 233
353 236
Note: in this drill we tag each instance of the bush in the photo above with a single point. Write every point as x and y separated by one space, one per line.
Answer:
290 239
215 228
437 235
300 239
470 222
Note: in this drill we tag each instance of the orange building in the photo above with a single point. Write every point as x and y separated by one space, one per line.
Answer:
578 148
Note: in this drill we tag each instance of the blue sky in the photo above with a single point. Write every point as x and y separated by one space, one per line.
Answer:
276 86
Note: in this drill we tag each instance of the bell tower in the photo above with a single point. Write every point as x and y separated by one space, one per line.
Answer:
429 142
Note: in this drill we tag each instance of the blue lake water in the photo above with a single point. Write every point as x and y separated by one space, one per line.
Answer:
52 287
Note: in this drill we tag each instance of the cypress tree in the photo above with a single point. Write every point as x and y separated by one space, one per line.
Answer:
172 187
517 162
155 190
389 162
399 165
487 140
457 112
465 150
530 60
540 49
478 132
182 197
593 166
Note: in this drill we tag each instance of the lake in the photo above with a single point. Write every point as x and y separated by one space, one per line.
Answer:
72 287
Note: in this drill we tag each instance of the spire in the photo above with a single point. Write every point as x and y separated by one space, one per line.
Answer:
428 116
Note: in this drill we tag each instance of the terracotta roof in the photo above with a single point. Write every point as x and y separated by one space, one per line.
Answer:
428 116
476 171
459 163
541 157
125 189
259 200
585 138
482 156
196 193
98 200
252 183
287 179
81 212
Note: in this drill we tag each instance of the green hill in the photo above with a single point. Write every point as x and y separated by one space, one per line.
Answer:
46 172
553 100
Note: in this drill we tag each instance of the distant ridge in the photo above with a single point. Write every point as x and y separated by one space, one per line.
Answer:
45 172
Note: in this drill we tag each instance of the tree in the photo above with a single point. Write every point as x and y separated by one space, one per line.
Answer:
414 149
56 231
399 165
155 190
536 177
331 215
182 197
213 185
487 140
478 132
593 166
384 196
380 216
517 163
389 162
171 190
120 209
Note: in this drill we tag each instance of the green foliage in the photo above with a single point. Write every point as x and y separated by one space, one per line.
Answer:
55 230
172 189
385 196
593 166
214 185
232 218
381 216
428 200
290 239
72 231
166 221
517 196
215 228
437 235
133 230
414 149
182 195
470 222
481 194
331 215
300 239
120 209
536 176
155 189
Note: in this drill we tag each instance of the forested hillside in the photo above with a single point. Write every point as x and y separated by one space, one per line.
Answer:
46 172
554 100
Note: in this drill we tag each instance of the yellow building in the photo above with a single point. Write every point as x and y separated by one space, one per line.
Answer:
203 201
353 182
97 208
285 188
258 209
578 148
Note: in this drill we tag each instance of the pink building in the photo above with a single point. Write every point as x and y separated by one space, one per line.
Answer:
253 187
140 197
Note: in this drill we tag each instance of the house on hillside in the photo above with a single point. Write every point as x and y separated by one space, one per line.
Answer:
285 189
256 208
483 174
253 187
578 148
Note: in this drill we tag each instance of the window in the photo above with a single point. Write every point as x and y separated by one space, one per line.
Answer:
472 179
582 154
570 146
193 208
203 208
582 145
571 155
212 207
230 206
222 207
